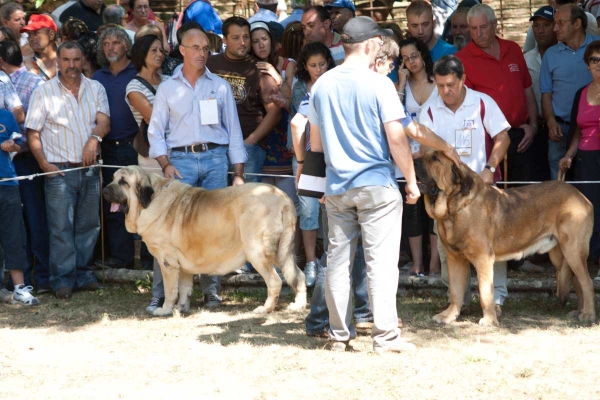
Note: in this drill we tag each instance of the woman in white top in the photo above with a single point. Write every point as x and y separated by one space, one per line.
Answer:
415 80
147 55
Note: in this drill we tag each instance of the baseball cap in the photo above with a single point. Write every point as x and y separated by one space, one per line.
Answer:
341 4
362 28
546 12
39 21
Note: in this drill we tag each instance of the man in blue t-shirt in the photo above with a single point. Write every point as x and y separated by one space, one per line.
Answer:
419 17
354 116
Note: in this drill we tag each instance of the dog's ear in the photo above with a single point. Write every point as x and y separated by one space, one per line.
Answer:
145 195
464 180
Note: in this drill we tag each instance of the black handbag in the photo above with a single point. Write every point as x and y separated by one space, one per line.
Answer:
312 178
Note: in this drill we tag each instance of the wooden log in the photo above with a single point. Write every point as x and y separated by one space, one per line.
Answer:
534 284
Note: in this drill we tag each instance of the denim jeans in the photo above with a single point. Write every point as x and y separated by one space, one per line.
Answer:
72 203
12 235
207 170
34 213
254 165
317 320
557 150
120 242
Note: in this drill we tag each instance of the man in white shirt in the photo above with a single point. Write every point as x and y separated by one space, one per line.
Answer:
467 119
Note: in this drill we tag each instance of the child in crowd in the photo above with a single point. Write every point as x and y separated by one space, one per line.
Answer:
12 234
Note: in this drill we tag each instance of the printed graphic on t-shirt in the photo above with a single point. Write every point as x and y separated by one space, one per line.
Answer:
237 86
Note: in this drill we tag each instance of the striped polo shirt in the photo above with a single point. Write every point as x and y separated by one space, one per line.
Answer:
65 123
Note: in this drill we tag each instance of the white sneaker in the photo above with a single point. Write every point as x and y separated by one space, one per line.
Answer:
22 294
310 272
5 296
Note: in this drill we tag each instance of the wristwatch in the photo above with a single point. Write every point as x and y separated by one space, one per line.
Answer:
97 137
492 169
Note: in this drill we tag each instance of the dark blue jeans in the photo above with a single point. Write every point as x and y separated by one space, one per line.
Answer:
72 203
34 212
12 234
120 242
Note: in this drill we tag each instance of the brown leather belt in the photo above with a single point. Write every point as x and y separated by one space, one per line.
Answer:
68 165
197 148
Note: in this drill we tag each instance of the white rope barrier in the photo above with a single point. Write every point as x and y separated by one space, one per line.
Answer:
100 165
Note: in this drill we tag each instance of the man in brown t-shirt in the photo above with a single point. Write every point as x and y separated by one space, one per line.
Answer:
252 90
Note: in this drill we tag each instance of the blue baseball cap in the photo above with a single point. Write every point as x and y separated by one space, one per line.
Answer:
546 12
341 4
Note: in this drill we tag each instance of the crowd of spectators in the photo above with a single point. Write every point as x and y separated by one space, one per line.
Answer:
235 95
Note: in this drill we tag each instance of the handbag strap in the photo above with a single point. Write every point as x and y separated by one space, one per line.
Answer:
146 83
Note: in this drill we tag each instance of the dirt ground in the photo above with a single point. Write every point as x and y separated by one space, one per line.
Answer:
103 346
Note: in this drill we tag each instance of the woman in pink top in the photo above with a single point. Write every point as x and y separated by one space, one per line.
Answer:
584 151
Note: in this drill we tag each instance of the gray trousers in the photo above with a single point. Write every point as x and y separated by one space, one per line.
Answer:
500 289
376 211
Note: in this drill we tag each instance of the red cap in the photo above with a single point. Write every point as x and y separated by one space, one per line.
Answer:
39 21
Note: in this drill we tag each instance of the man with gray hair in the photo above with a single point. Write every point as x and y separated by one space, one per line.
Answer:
496 67
64 135
115 14
114 47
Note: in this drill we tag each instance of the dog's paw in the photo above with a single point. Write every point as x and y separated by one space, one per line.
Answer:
443 318
587 317
163 312
183 308
297 306
487 321
261 310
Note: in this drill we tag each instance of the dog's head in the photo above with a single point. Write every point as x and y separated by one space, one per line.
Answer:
440 180
130 192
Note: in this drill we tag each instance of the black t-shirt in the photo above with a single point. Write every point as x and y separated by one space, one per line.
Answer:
81 11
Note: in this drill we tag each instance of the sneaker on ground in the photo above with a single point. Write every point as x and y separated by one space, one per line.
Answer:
398 346
22 294
244 269
338 346
155 302
212 300
6 296
310 272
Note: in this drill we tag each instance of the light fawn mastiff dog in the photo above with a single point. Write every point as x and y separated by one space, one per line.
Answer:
191 230
481 224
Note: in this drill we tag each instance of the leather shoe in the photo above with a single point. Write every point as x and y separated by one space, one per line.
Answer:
64 293
91 287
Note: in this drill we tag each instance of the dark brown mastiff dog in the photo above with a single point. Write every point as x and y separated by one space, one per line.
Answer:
481 224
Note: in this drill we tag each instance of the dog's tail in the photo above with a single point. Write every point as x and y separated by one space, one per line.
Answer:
285 252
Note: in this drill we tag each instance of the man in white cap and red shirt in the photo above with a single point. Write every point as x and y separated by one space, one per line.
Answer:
341 12
354 116
42 33
266 11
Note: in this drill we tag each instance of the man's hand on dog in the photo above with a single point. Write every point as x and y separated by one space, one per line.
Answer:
487 176
171 172
452 154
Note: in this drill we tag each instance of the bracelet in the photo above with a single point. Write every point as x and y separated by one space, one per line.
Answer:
237 175
165 167
300 162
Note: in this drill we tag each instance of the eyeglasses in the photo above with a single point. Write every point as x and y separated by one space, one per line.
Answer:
412 57
561 22
197 49
594 60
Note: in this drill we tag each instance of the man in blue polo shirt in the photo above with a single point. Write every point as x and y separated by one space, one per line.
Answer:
117 146
563 73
